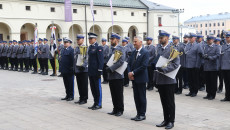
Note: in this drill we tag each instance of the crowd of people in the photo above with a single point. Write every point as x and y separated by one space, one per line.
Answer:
201 63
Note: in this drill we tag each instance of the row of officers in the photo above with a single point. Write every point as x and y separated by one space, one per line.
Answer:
201 63
23 55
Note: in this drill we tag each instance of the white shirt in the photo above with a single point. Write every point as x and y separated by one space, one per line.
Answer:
138 52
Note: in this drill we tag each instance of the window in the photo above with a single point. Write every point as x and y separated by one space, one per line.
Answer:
95 11
201 32
28 8
144 35
223 24
214 24
206 32
159 21
214 32
132 13
218 24
218 31
201 25
52 9
0 6
196 25
114 12
144 14
75 11
206 25
210 25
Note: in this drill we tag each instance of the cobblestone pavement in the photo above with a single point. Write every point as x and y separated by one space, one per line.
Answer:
33 102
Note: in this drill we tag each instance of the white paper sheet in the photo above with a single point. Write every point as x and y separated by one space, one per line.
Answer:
119 70
163 61
80 60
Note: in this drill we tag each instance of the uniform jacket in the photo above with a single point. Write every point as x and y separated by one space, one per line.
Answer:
60 48
85 63
4 50
20 52
139 66
40 46
128 52
193 54
9 50
213 52
96 60
174 64
45 51
152 53
116 65
15 51
180 47
26 52
225 57
32 52
105 53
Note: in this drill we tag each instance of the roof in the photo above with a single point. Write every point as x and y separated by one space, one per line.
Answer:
220 16
156 6
116 3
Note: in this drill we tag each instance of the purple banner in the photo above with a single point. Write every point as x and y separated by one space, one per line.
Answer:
68 11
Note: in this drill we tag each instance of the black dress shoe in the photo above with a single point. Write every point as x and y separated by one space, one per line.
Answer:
26 71
170 125
77 102
211 98
178 93
224 100
82 102
140 118
134 118
70 99
34 73
206 97
193 95
92 106
45 73
53 75
60 75
119 113
65 98
96 107
41 73
112 113
162 124
189 94
20 71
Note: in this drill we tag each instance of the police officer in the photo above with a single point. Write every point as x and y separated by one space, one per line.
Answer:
59 49
152 54
183 64
128 52
219 73
14 55
179 77
80 67
129 43
211 56
45 55
66 69
20 55
51 56
225 67
106 55
26 55
166 84
201 75
33 58
96 62
4 56
30 51
9 53
193 52
115 78
39 55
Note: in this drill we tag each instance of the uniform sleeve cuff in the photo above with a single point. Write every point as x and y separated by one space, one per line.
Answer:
99 70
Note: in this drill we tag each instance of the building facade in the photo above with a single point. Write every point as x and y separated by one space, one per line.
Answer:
210 24
18 19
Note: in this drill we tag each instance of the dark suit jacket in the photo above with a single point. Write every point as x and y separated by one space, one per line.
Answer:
139 67
66 61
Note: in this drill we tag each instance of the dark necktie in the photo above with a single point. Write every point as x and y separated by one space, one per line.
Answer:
136 55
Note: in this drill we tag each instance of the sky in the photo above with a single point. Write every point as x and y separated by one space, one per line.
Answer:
196 7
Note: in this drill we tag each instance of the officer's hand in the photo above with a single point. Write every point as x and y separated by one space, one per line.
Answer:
99 74
108 70
160 69
81 68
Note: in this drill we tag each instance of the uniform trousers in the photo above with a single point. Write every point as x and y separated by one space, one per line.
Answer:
126 78
20 60
168 101
226 75
34 63
221 80
95 85
52 63
105 75
69 85
45 64
116 90
193 80
179 79
150 75
26 63
211 83
82 84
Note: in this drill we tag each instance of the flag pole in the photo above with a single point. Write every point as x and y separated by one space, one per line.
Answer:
36 25
55 66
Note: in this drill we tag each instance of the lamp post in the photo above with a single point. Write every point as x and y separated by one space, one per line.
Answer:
178 11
